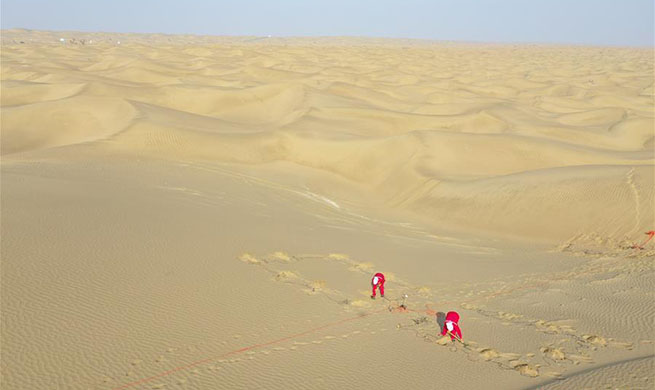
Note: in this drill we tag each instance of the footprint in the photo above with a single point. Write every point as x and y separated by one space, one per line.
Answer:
577 359
553 374
283 276
338 256
553 328
596 340
619 344
488 353
553 353
136 362
509 356
248 258
445 340
527 370
316 285
280 256
509 316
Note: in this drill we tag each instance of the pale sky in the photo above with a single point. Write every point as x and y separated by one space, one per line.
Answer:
595 22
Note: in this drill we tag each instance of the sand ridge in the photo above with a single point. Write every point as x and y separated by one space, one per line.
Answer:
206 212
422 124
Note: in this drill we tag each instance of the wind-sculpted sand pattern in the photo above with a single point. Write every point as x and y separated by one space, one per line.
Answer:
571 347
135 173
596 245
558 347
220 365
469 135
640 377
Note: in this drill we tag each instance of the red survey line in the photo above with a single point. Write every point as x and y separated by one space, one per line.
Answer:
244 349
428 311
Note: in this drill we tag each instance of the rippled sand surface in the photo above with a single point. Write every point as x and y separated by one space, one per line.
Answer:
207 212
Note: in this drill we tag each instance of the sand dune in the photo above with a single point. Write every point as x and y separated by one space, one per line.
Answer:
206 212
76 119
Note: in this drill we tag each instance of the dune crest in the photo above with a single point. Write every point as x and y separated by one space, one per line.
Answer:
410 129
208 212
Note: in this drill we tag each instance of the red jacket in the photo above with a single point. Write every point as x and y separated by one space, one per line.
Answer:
452 317
380 277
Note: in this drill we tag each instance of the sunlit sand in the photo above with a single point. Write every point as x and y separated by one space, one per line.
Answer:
207 212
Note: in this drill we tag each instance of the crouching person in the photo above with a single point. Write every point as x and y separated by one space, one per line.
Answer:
378 283
451 326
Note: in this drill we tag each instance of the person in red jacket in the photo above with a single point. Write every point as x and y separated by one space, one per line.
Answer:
378 282
451 326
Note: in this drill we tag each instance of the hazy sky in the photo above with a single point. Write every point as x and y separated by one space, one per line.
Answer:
599 22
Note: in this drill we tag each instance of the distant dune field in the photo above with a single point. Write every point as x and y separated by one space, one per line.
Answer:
207 212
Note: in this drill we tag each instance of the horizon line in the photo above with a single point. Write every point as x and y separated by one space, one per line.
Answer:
271 36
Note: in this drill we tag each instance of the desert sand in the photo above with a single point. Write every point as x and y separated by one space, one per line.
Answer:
189 212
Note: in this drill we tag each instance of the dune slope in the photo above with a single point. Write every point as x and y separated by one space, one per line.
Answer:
206 212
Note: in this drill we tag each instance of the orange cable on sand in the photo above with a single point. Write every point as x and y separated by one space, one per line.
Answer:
404 309
650 234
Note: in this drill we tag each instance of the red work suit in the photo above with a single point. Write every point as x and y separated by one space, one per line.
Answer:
380 283
452 318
